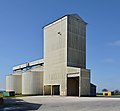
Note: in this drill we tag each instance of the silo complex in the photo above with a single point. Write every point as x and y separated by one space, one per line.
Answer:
14 83
63 70
32 83
27 78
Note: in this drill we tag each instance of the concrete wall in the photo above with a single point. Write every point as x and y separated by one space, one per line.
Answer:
14 83
84 79
92 90
76 45
47 90
55 54
73 70
84 82
32 83
65 45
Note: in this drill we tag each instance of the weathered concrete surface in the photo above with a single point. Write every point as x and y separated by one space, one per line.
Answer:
17 104
56 103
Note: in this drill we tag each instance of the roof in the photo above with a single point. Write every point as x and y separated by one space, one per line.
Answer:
73 15
93 85
31 63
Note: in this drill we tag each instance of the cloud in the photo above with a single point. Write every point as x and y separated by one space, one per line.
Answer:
109 60
115 43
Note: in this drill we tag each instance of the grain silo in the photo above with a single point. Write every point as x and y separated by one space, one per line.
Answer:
14 83
32 83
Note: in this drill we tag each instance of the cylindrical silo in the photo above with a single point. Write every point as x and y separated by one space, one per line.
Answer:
14 83
17 73
32 83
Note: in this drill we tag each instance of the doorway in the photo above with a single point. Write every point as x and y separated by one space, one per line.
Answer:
73 86
56 90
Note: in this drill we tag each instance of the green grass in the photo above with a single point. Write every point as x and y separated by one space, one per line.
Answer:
1 94
17 95
99 94
118 94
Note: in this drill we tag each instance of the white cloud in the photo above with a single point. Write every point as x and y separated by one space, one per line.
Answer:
109 60
115 43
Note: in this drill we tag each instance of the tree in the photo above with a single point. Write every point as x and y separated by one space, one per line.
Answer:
116 91
104 90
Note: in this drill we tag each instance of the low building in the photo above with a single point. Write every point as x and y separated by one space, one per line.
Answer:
92 89
108 93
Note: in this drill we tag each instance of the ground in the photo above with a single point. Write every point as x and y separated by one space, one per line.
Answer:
57 103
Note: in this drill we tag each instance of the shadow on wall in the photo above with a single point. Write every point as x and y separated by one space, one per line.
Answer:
13 104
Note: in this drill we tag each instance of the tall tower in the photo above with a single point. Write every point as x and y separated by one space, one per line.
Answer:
65 57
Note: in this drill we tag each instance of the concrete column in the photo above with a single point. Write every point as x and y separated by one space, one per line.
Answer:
51 90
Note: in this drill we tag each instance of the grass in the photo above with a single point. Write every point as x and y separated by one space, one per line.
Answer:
17 95
100 94
1 94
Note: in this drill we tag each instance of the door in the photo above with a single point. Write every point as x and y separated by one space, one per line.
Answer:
56 90
73 86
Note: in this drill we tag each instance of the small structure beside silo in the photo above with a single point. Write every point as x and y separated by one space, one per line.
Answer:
108 93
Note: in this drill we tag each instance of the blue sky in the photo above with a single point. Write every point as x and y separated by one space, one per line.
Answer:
21 35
